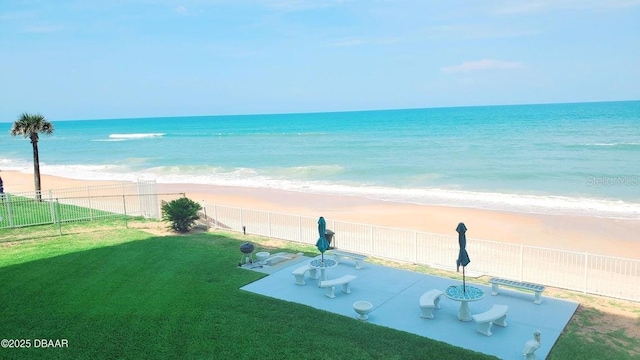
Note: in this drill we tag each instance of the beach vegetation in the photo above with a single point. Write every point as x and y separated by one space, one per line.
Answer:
181 213
29 126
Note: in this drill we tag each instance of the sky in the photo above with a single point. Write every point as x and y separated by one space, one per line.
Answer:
80 59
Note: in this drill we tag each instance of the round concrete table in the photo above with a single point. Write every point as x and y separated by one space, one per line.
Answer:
322 266
470 293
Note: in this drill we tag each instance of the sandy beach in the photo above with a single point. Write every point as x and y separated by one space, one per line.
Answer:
575 233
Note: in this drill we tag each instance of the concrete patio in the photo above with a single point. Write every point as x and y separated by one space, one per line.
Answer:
395 294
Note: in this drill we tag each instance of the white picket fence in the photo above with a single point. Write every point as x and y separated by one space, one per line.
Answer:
589 273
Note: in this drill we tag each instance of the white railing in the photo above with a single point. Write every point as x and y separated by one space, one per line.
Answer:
86 203
588 273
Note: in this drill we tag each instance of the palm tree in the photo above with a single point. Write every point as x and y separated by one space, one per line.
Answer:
29 125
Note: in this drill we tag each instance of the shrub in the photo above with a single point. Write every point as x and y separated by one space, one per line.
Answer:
181 213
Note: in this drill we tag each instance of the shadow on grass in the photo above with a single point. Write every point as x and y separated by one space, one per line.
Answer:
178 297
53 230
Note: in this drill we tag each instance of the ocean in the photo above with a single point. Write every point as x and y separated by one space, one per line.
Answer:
581 159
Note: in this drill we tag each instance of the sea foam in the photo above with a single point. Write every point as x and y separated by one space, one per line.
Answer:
136 136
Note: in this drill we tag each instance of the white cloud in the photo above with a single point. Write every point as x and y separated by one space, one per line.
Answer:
551 5
479 31
301 5
349 41
41 29
524 8
481 65
182 10
357 41
15 15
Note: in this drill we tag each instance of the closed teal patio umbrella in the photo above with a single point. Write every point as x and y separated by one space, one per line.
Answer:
463 257
322 244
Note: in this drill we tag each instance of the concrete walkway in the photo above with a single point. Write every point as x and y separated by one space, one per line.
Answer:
395 294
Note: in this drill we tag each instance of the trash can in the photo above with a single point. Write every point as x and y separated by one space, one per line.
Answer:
328 234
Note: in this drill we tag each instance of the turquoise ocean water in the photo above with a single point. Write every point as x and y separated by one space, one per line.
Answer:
556 158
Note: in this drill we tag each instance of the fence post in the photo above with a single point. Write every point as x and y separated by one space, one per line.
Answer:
371 237
241 222
521 261
141 206
57 209
9 212
124 207
333 227
299 227
415 247
269 222
206 218
586 271
90 207
52 209
215 216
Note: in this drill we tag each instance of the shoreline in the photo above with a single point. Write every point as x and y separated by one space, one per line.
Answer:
595 235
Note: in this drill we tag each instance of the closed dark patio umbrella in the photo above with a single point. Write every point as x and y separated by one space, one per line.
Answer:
463 257
322 244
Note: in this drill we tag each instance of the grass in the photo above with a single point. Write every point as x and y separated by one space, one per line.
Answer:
122 293
593 334
125 294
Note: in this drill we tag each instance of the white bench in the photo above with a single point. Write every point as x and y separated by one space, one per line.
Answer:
537 289
429 301
496 315
331 285
339 255
299 274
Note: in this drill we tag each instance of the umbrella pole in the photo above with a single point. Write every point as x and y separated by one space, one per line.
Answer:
464 286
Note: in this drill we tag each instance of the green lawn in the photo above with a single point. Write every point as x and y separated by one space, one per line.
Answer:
125 294
120 293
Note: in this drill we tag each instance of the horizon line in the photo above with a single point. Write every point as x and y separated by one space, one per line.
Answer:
342 111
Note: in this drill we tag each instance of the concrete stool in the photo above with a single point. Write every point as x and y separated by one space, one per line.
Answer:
362 308
262 257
